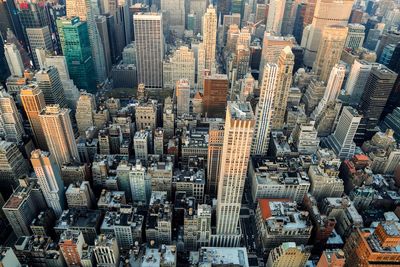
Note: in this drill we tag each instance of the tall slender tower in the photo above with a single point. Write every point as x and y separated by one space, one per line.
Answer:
49 179
149 40
264 110
11 127
215 144
326 13
57 128
284 82
276 9
210 37
329 51
32 99
239 130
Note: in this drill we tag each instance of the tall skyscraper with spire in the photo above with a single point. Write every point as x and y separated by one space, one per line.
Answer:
210 37
284 82
57 128
264 110
238 134
326 13
49 179
149 40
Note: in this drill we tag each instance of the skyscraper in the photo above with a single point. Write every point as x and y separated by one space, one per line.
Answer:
149 40
182 90
357 79
327 13
13 166
341 141
264 110
199 7
215 143
87 10
75 43
210 37
356 36
181 65
215 94
57 128
49 82
238 134
376 93
332 90
276 9
32 99
174 10
329 51
49 179
14 60
11 126
39 38
283 84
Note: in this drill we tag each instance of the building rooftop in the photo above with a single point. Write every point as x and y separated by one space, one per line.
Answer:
125 217
111 199
215 256
78 219
165 256
241 110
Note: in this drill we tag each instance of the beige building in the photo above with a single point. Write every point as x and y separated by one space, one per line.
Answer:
84 112
288 254
11 127
181 65
57 129
210 37
327 13
146 115
329 51
238 134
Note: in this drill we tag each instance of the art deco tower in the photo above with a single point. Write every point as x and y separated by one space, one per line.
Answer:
239 130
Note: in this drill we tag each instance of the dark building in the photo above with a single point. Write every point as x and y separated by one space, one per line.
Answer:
124 76
4 71
215 93
299 22
376 93
356 16
223 8
298 53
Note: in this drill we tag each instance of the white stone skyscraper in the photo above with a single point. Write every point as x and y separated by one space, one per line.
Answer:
283 84
276 9
14 60
238 134
332 90
327 13
57 129
11 127
182 91
181 65
210 37
341 141
149 40
49 179
264 110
